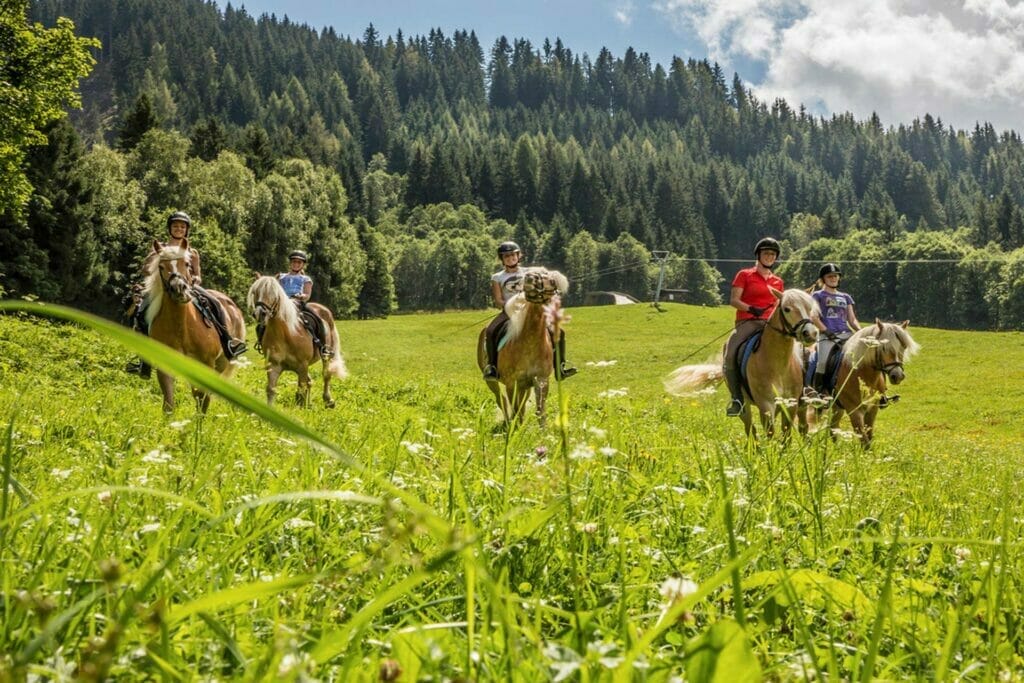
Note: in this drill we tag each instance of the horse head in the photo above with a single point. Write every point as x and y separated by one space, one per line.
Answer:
794 312
895 346
884 347
174 271
539 286
267 299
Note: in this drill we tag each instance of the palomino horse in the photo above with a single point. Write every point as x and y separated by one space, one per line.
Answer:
870 355
174 321
773 379
287 345
525 360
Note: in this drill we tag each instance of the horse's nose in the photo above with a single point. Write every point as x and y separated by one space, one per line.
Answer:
810 334
896 375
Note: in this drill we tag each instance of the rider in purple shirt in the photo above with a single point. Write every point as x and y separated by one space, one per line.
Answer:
836 318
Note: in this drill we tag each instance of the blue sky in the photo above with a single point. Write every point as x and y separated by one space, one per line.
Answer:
960 60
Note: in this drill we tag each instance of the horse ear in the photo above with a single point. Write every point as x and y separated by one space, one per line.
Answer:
776 293
256 275
904 324
156 247
879 324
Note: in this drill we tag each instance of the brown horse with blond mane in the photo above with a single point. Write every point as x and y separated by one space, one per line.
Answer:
773 380
287 344
870 356
526 355
176 322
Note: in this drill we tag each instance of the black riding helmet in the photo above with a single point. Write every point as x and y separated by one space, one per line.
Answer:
767 244
829 269
299 254
507 248
180 216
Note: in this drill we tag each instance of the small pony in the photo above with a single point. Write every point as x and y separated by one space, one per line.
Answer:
526 355
174 321
870 355
287 345
773 380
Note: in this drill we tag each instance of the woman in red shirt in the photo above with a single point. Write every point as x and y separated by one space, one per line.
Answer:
754 303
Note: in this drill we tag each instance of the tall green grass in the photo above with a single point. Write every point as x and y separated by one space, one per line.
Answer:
402 531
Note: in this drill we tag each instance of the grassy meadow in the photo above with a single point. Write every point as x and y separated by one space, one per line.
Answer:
402 536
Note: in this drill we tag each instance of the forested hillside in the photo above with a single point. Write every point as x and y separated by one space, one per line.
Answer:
399 161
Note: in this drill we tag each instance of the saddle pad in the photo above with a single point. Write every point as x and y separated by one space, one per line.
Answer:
501 334
748 348
831 369
312 323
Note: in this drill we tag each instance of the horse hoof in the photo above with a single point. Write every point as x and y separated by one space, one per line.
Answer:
328 404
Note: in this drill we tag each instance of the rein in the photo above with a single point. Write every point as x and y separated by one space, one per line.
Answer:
787 329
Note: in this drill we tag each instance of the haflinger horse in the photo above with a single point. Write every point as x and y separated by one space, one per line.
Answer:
174 321
288 345
526 358
773 381
870 356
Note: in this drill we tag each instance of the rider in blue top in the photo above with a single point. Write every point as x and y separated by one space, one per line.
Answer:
299 286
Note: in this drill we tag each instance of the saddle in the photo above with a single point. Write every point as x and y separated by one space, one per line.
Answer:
829 379
746 350
212 313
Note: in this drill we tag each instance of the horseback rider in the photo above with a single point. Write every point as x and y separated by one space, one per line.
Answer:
836 319
754 303
299 286
506 283
179 226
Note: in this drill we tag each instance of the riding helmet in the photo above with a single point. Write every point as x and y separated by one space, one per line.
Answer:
829 269
180 216
507 248
767 244
299 254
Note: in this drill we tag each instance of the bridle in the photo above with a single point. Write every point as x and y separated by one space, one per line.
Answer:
166 281
788 329
271 311
540 295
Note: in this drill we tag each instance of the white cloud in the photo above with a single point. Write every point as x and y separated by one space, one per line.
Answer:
623 12
961 60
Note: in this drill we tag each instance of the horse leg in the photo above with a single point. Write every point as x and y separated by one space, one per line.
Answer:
328 400
202 399
869 424
540 390
167 387
857 421
519 398
748 421
302 394
273 374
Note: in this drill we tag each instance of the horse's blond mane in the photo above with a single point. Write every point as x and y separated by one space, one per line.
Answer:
153 284
804 300
517 307
268 290
865 342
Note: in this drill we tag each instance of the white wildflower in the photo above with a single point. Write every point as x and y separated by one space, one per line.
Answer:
590 528
298 523
601 363
417 448
105 497
178 424
614 393
698 529
962 554
156 456
582 452
150 528
607 451
60 474
598 432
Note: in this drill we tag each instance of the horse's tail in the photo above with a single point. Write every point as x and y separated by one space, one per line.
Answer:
336 367
689 379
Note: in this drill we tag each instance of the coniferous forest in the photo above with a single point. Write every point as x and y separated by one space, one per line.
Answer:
400 162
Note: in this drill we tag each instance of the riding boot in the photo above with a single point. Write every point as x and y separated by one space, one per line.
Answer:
139 366
732 381
563 369
491 346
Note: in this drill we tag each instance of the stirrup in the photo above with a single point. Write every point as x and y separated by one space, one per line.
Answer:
565 371
734 409
236 347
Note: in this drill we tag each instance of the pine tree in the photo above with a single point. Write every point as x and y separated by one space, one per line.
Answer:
377 295
137 123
